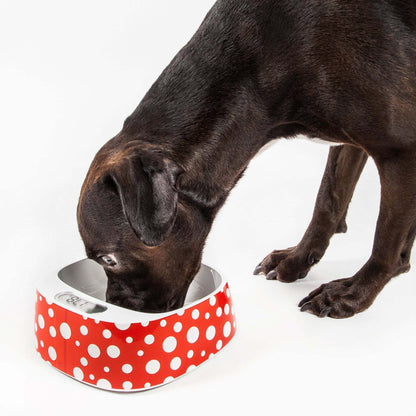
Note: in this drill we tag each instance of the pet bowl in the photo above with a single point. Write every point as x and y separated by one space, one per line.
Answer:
113 348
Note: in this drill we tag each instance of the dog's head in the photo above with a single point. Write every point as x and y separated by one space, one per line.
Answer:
132 222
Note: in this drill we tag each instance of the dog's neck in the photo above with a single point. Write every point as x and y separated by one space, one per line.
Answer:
213 150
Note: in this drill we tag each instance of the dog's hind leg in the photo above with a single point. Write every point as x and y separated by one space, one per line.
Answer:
343 169
393 241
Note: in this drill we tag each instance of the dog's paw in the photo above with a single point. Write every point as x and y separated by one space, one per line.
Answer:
286 265
341 298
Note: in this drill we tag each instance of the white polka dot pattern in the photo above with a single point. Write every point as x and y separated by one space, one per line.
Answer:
127 385
93 351
169 344
52 331
136 356
52 353
78 373
113 351
127 368
65 330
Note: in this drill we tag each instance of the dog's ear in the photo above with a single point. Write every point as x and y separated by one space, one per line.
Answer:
146 186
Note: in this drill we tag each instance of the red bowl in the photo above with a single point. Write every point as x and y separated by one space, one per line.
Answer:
113 348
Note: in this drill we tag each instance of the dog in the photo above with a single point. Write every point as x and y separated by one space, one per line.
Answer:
256 70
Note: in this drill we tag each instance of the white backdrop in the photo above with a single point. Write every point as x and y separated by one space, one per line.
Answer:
70 72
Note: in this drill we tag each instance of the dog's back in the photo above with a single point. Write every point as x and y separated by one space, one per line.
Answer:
348 62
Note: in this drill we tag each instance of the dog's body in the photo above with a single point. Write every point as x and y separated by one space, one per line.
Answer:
342 71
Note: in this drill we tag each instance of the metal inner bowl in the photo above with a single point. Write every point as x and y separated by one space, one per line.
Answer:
89 278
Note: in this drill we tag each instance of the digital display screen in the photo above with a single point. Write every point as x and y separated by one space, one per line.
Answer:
80 304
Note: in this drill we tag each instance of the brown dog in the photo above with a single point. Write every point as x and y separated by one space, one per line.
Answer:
256 70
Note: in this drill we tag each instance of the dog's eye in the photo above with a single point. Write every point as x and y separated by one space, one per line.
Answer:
108 260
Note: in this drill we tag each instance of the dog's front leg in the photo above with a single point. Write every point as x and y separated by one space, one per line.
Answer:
343 169
394 238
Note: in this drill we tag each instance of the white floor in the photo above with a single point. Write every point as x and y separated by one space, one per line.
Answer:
65 91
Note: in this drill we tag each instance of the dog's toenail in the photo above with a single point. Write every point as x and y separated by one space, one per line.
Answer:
306 307
271 275
303 301
312 259
325 312
258 270
302 275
